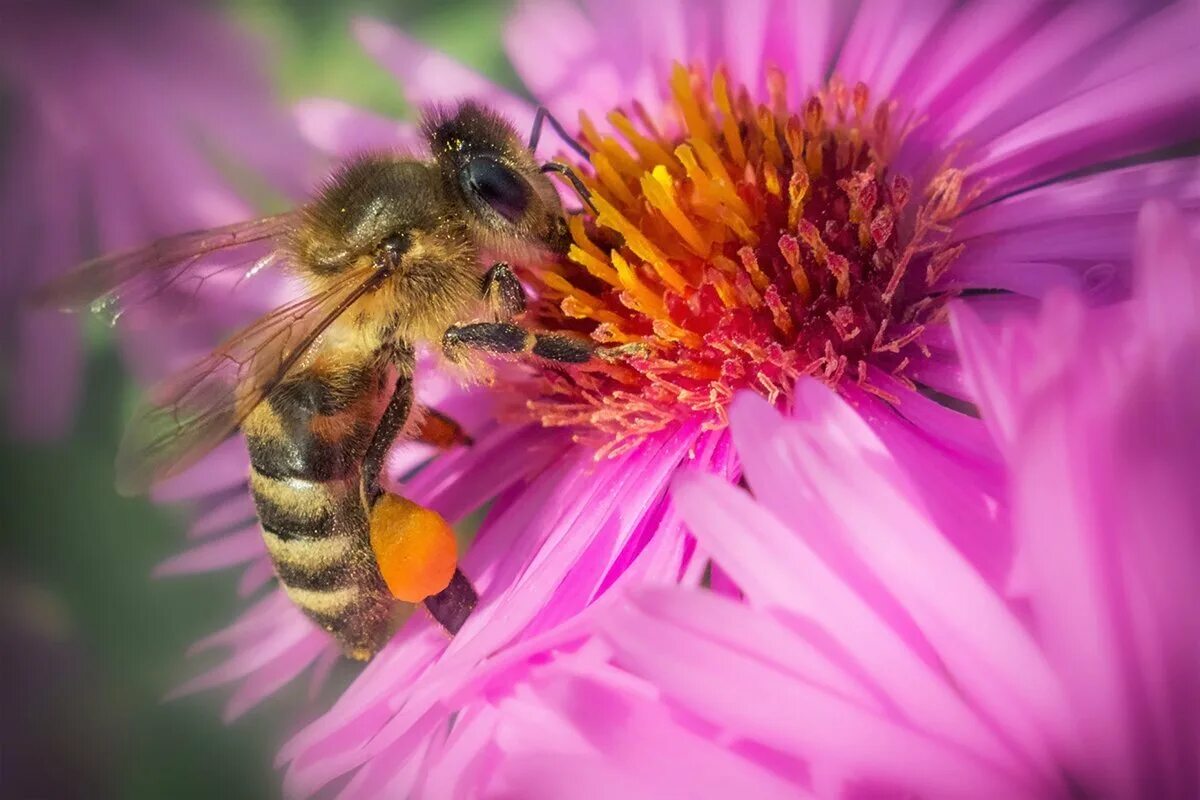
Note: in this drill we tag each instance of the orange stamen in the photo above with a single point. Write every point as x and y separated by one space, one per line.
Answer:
739 244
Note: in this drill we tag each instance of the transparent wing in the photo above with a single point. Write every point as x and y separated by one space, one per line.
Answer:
189 414
178 266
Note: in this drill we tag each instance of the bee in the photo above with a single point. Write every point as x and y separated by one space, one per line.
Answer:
390 252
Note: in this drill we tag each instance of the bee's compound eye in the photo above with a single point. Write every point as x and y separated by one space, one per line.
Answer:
504 191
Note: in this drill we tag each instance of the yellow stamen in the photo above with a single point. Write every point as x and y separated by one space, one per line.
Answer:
729 126
594 264
612 180
681 87
647 149
659 189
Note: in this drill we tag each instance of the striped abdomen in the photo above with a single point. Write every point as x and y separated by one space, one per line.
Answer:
307 444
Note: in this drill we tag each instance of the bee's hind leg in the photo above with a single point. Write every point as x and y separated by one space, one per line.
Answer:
395 415
414 546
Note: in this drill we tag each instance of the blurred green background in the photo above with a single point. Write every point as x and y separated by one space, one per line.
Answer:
91 642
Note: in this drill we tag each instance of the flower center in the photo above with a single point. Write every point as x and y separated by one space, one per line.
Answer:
741 245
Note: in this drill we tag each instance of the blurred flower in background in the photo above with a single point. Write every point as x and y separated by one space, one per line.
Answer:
120 121
993 153
119 118
868 665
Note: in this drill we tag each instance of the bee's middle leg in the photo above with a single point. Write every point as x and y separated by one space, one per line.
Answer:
440 430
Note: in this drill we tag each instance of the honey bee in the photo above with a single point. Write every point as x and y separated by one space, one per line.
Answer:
390 252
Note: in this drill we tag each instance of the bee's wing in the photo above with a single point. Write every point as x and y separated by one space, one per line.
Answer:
192 412
179 264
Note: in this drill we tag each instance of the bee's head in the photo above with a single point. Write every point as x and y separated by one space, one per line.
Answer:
512 205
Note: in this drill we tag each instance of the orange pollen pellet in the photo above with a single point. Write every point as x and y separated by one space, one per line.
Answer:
414 547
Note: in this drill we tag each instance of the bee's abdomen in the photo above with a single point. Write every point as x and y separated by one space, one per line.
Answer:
315 427
306 448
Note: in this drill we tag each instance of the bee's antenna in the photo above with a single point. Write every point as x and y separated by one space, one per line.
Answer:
544 115
576 183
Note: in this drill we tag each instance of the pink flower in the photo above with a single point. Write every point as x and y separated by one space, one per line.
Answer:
874 655
113 112
979 157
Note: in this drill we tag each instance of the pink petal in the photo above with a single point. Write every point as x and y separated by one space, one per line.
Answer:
1155 104
272 633
615 744
468 758
257 575
965 50
727 623
227 551
800 718
957 432
1072 235
977 637
1115 193
776 568
1036 74
1034 279
269 679
394 773
226 466
1169 278
884 39
745 29
570 524
570 72
234 507
459 482
817 30
1084 642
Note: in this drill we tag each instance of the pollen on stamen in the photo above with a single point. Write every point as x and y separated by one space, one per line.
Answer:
740 245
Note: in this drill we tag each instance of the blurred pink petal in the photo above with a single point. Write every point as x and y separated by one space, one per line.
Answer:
103 118
218 553
342 130
255 576
1119 454
621 749
431 78
228 510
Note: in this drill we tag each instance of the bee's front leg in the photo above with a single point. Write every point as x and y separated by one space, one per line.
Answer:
503 293
507 337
